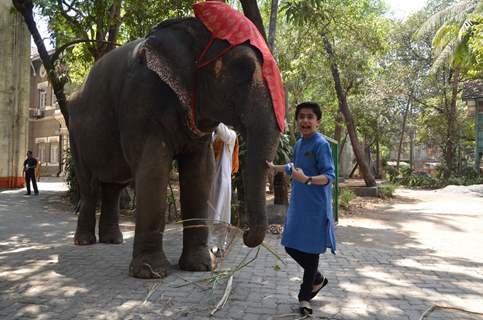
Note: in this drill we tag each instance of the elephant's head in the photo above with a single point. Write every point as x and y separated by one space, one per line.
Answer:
229 89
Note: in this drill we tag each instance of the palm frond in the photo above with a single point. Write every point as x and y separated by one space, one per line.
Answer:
443 36
446 56
465 29
455 13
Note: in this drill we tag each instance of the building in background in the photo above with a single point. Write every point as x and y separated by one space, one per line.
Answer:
48 135
473 96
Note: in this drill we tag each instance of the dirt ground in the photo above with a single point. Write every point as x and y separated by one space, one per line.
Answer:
448 220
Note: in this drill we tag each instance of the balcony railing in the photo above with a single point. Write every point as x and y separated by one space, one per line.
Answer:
37 113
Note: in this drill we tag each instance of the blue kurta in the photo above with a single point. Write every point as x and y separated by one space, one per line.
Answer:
309 226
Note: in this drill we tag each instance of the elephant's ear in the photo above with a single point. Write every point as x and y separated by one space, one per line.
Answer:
172 60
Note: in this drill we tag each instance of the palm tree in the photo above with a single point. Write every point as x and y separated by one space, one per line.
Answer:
452 27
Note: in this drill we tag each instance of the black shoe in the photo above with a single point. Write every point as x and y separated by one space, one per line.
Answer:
322 283
27 194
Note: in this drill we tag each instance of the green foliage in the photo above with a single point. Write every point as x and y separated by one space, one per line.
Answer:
452 28
71 179
139 17
345 197
421 181
475 45
469 178
103 21
424 181
285 150
356 30
392 174
386 190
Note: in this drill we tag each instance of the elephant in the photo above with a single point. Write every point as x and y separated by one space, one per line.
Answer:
128 123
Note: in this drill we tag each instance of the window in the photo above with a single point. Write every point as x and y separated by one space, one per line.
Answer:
42 71
42 99
54 153
42 152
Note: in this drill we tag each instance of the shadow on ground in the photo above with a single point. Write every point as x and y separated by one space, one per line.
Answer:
378 273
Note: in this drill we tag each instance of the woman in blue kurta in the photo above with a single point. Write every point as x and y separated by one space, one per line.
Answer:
309 226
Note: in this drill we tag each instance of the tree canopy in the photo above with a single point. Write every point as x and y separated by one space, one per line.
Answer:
391 80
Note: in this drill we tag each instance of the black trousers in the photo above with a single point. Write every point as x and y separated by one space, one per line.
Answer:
31 177
310 263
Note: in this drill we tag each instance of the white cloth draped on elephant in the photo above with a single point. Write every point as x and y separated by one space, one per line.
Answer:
220 198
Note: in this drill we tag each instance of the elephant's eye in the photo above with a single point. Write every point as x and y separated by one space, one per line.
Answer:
243 70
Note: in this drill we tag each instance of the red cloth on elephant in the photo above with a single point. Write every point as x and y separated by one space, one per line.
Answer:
228 24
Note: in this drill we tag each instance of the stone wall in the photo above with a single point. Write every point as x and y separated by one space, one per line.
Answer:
14 94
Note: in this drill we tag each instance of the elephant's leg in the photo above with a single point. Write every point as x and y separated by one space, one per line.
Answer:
151 179
109 231
196 173
86 223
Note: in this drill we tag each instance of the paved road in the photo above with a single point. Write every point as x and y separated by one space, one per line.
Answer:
392 264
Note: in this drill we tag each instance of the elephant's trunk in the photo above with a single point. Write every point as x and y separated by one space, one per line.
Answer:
261 146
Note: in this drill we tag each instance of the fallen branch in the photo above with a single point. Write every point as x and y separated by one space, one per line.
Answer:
150 292
195 283
219 275
269 249
285 315
435 306
223 300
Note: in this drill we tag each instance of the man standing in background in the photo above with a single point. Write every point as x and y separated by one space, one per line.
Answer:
29 166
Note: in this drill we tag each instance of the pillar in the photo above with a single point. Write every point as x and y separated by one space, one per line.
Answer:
14 94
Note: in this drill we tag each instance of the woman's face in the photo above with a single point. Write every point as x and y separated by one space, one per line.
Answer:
307 122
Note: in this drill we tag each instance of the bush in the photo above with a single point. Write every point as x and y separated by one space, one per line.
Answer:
392 174
422 181
386 190
457 181
416 180
345 197
405 172
71 178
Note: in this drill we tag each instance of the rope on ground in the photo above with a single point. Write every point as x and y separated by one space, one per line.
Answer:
436 306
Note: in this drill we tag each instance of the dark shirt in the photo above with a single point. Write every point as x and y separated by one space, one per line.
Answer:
29 165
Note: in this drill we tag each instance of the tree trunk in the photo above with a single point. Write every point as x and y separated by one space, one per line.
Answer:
338 138
115 23
344 108
26 10
272 28
378 156
403 129
251 11
452 117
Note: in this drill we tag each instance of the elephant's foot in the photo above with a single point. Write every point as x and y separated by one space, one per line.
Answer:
196 259
149 266
84 238
111 235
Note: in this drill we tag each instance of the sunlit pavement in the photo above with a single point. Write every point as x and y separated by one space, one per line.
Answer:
391 264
